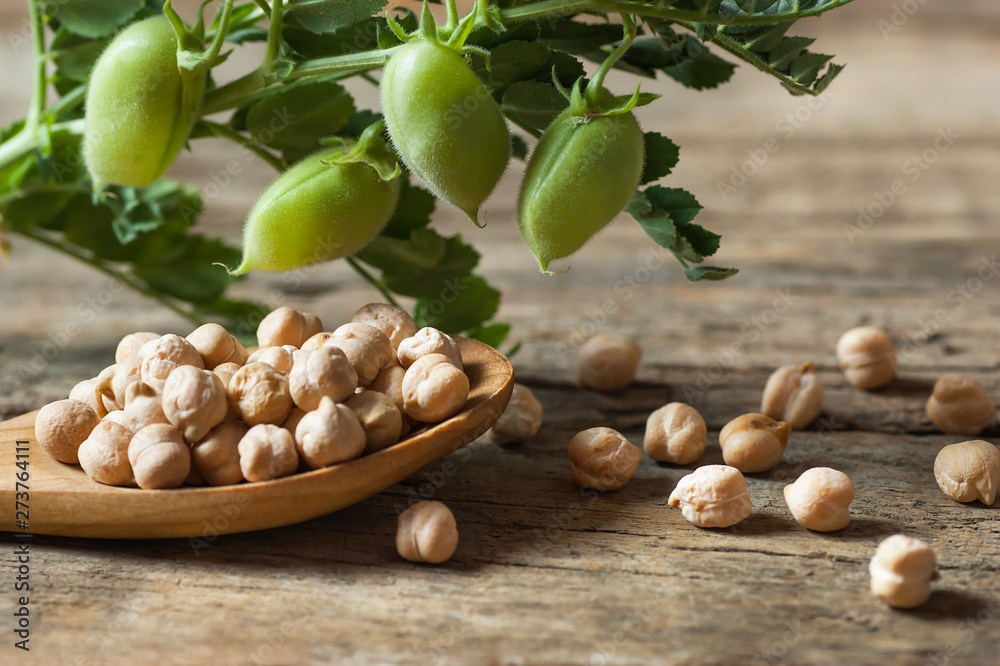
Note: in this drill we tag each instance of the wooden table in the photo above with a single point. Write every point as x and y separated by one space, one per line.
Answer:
545 574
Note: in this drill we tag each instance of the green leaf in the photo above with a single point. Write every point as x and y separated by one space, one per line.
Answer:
532 103
511 62
421 250
472 302
484 37
662 155
665 213
439 280
294 117
578 38
412 212
701 69
493 335
361 36
93 18
713 273
74 56
38 207
518 147
188 272
328 16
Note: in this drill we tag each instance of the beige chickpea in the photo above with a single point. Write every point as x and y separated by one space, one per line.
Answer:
121 418
329 434
216 346
86 392
325 372
394 322
367 348
143 406
426 532
902 570
607 362
793 394
217 455
602 459
225 372
434 389
283 326
712 496
389 382
158 358
377 413
267 452
293 419
867 357
159 457
753 442
675 433
260 394
128 347
521 420
194 401
820 499
61 426
311 325
104 455
426 341
112 382
960 405
317 341
969 471
280 358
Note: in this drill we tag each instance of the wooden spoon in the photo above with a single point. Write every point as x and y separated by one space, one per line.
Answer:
61 499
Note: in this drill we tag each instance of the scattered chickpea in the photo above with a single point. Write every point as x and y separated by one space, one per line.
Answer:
394 322
753 442
902 570
712 496
521 420
867 357
216 346
128 347
157 358
104 454
602 459
329 434
260 394
377 413
960 405
607 362
159 457
284 326
217 456
267 452
820 499
325 372
434 388
194 401
61 426
428 341
426 532
367 348
279 358
675 433
969 471
793 394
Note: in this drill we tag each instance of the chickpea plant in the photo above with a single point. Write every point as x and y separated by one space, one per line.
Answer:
462 96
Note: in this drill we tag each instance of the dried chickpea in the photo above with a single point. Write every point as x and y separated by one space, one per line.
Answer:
159 457
113 381
867 357
194 401
325 372
607 362
377 413
367 348
960 405
434 389
390 382
820 499
293 419
157 358
969 471
602 459
317 341
86 392
128 347
121 418
267 452
394 322
712 496
521 420
143 406
793 394
426 532
61 426
260 394
311 326
329 434
675 433
216 346
217 456
902 570
753 442
104 455
279 358
284 326
225 373
428 341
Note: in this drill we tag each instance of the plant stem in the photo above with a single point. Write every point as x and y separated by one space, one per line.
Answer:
41 79
23 143
370 279
273 34
111 272
221 130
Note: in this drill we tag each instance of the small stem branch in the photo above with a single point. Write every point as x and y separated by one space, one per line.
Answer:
273 34
23 143
233 93
370 279
354 63
225 132
38 96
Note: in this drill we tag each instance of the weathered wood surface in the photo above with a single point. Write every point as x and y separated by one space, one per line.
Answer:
543 573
